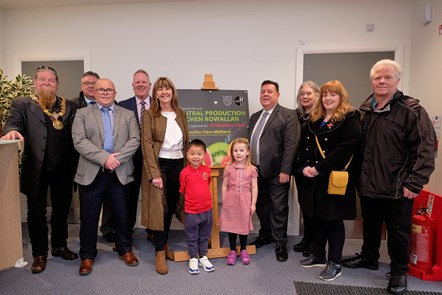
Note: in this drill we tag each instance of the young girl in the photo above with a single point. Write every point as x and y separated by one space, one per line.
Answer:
239 192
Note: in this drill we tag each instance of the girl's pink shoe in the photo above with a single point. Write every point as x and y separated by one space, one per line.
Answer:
245 257
231 258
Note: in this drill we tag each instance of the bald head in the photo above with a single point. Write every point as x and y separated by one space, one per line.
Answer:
105 92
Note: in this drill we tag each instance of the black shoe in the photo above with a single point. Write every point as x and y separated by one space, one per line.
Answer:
109 237
301 246
312 261
260 241
64 253
281 253
397 284
331 272
306 252
360 262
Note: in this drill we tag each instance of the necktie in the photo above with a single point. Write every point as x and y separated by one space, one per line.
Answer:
255 138
143 108
108 137
92 102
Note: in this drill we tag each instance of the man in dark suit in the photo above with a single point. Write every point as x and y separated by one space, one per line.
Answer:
106 136
138 104
43 122
274 135
86 98
87 95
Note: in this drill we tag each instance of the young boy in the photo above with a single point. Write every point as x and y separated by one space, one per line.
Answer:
194 181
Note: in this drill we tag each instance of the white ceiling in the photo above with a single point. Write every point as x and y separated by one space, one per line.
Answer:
14 4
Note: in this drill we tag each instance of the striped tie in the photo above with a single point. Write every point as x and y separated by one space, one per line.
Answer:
143 109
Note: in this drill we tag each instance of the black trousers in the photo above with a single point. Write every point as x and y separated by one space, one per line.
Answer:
105 185
107 222
331 231
397 215
272 208
61 196
170 173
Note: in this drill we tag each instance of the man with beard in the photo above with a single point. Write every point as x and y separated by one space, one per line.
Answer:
43 122
139 103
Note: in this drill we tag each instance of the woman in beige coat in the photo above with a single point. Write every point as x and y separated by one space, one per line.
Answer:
164 138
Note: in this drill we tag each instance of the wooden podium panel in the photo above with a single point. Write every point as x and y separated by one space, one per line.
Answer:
11 249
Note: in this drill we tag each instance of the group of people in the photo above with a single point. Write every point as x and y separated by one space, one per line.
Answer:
112 149
388 148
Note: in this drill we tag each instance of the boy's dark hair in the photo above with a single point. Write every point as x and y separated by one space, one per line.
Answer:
197 143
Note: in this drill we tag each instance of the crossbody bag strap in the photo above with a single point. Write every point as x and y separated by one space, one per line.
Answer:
323 156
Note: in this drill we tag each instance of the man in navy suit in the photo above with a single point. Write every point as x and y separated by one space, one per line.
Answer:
274 134
138 104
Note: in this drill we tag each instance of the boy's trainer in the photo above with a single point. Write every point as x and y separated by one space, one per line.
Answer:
205 263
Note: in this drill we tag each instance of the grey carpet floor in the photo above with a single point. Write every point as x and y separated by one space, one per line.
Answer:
111 276
304 288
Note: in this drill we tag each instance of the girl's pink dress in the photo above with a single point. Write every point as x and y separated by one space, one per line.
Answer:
235 213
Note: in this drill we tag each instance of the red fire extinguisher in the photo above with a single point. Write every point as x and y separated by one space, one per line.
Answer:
422 232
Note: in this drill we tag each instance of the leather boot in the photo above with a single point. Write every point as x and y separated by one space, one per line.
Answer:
160 262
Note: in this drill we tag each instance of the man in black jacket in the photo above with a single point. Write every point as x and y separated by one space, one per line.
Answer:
397 159
43 121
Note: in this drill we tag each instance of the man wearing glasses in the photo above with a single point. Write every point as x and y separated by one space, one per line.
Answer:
43 122
86 98
106 137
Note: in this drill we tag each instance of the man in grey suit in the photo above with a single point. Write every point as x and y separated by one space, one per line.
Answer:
139 103
43 122
274 135
106 136
85 98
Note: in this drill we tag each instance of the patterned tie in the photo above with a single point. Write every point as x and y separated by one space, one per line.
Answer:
143 108
108 137
255 138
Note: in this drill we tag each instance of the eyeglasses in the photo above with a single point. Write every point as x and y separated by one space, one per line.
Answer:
87 83
103 90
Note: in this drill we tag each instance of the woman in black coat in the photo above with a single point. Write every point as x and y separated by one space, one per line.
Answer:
336 126
308 95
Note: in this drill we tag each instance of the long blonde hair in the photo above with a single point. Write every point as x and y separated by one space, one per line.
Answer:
343 108
232 144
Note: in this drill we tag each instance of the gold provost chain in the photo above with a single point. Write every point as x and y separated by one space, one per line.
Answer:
57 124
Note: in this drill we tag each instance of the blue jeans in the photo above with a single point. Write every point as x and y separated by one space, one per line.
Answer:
198 228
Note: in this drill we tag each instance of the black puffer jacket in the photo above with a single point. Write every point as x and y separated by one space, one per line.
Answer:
398 148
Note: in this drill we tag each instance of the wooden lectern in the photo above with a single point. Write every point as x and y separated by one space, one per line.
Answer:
11 249
214 251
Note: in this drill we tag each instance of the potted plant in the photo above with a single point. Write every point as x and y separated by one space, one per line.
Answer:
9 89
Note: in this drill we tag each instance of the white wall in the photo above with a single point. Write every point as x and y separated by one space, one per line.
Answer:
426 70
240 42
2 39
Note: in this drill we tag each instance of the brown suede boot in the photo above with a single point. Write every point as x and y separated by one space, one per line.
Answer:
169 254
160 262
